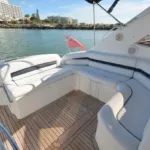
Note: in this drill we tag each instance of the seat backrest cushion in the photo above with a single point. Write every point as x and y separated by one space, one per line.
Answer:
75 58
118 64
142 72
77 62
27 66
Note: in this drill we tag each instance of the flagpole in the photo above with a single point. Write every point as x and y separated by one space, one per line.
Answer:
94 20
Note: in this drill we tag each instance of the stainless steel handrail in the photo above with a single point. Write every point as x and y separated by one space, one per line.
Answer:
11 140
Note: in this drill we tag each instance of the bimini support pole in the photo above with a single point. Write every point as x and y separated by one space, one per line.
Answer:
94 21
109 10
110 14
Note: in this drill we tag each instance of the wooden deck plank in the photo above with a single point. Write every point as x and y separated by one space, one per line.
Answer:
51 121
40 137
69 123
58 118
10 127
3 137
17 129
43 131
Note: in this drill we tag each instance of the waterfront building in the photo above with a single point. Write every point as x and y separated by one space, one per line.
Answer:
59 19
82 24
66 20
4 1
9 12
74 21
56 19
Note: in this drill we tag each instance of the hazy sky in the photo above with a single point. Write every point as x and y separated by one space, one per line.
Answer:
81 10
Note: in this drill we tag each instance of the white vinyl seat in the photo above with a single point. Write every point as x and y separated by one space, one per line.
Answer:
108 69
136 113
111 63
108 78
124 122
110 133
22 76
99 75
135 121
31 83
122 82
20 87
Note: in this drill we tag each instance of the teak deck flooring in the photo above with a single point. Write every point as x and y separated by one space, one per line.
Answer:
69 123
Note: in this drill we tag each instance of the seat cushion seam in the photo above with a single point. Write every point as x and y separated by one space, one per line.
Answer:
122 108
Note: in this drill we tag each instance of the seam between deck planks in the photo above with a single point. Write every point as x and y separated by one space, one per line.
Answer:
68 123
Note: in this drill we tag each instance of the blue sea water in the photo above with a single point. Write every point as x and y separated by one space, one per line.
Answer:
22 42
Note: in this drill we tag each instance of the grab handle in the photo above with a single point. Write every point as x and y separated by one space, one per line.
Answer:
11 140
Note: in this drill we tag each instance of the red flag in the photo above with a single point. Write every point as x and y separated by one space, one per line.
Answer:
72 43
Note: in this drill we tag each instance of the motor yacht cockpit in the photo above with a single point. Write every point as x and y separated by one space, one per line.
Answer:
96 99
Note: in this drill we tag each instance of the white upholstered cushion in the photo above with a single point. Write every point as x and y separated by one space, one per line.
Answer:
100 60
145 143
98 75
77 62
109 131
8 68
102 76
135 114
18 88
144 66
73 55
42 76
114 59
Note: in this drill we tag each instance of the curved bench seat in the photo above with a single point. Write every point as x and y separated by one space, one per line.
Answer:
110 133
136 112
100 71
127 128
123 121
106 77
121 82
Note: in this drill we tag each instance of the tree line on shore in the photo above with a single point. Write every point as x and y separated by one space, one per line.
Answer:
34 22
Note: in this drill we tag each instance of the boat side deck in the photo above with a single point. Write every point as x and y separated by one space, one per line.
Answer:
69 123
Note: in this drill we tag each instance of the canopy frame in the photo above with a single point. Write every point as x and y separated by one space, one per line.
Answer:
107 11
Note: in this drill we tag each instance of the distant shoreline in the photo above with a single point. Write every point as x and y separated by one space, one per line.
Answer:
42 27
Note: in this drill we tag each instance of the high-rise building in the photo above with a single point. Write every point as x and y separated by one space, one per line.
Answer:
4 1
37 14
9 12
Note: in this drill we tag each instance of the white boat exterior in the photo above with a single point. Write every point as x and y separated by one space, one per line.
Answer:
116 71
